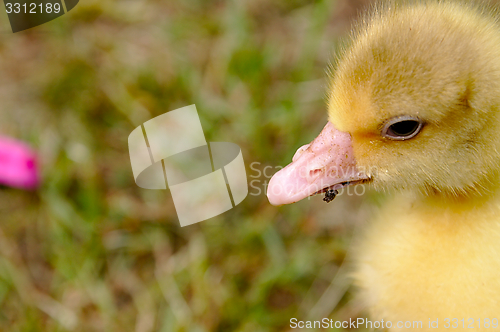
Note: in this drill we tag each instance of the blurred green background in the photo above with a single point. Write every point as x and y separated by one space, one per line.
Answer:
91 251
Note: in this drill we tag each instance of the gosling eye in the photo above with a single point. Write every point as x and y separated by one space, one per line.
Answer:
402 128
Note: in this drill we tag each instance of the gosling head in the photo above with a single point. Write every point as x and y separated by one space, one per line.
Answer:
413 104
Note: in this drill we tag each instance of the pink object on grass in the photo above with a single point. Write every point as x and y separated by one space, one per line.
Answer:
18 166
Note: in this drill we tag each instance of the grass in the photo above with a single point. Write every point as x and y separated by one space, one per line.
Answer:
89 250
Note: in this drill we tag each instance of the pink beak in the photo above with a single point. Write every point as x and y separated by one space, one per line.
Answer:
17 164
326 163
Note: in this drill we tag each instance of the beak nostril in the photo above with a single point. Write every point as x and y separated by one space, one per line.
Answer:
313 175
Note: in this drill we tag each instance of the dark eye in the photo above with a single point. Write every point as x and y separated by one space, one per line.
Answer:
402 128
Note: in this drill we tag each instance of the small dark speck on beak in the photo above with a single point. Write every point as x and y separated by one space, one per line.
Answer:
330 195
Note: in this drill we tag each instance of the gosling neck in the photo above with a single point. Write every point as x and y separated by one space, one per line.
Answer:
484 193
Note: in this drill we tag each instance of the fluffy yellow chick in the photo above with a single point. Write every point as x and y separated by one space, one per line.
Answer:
414 110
